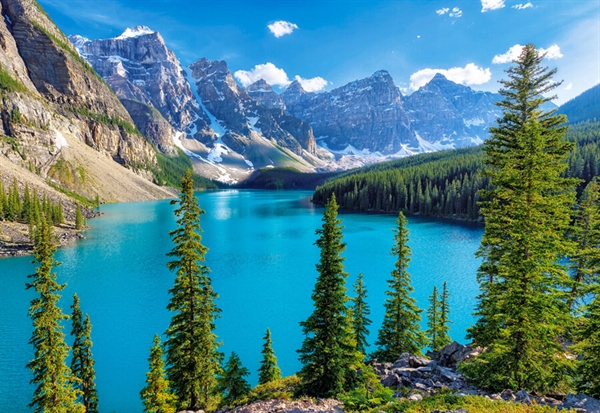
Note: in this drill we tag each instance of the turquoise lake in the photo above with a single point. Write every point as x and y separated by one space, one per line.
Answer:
262 261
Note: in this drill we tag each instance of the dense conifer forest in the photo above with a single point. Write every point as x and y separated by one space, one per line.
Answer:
444 184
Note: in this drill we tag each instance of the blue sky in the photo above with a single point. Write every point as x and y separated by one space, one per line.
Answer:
330 43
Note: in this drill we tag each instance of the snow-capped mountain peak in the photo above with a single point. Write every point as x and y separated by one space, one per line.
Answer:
135 32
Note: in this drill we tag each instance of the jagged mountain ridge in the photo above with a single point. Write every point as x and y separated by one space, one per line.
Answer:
60 120
214 121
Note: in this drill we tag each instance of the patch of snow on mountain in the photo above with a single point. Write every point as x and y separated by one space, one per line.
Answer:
179 144
252 122
250 164
214 123
215 153
135 32
474 122
477 140
427 146
61 141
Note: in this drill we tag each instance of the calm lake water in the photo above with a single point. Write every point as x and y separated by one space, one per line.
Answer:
262 259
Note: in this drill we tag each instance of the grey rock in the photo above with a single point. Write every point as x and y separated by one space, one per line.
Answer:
523 397
414 397
582 401
454 353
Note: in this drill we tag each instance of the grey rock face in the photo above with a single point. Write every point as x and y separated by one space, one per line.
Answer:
451 115
152 124
366 114
239 114
264 95
139 66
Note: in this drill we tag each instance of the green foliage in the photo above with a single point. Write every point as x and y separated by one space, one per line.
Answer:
157 396
368 394
360 314
192 346
269 370
444 337
278 389
28 208
172 169
9 84
54 382
232 380
328 353
585 232
400 331
433 321
105 119
445 183
73 195
82 361
588 347
521 308
78 218
286 178
583 107
472 404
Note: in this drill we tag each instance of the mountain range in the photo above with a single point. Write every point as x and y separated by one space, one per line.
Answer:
230 131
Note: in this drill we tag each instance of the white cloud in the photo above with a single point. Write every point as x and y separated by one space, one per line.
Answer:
281 28
468 75
487 5
522 6
569 86
312 85
456 12
268 71
512 54
277 77
553 52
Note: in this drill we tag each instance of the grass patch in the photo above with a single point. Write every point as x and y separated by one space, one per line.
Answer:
105 119
9 84
73 195
172 169
472 404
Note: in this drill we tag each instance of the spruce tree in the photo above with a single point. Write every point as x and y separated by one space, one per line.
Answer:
232 380
588 347
157 396
444 336
400 331
269 370
521 311
54 382
585 262
192 346
82 360
328 353
78 218
360 312
433 320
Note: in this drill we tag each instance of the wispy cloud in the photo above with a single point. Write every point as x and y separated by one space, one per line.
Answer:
456 12
281 28
277 77
553 52
488 5
471 74
569 86
522 6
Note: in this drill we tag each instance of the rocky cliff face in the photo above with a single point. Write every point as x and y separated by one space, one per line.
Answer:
238 114
264 95
449 115
57 113
363 116
139 66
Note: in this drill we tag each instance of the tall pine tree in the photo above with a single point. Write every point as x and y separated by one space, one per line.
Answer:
444 337
232 381
157 395
360 313
433 321
192 346
82 361
521 311
400 331
54 382
328 353
269 370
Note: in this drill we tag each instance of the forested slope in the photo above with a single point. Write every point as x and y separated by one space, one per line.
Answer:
444 184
